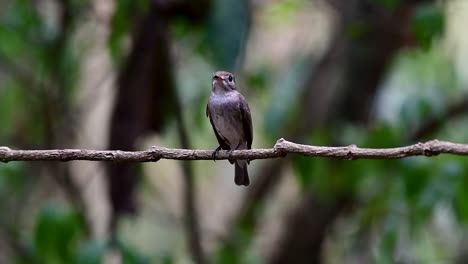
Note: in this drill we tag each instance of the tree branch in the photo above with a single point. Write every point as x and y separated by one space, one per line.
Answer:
281 149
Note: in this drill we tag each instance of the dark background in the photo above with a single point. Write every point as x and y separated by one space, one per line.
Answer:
127 75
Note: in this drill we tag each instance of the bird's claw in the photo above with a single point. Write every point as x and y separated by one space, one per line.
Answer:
215 152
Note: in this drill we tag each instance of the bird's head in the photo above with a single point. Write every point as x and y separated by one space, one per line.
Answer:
223 81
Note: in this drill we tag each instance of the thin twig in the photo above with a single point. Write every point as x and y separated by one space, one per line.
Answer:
281 149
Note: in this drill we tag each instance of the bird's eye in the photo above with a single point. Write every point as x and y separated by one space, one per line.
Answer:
230 78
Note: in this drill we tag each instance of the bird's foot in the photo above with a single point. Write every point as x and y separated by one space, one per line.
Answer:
215 152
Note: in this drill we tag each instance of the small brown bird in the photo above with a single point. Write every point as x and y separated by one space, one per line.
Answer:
230 118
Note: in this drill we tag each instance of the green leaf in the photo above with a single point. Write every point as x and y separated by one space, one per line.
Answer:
58 229
9 100
382 136
126 13
460 203
391 5
282 13
228 255
303 167
130 255
91 252
416 173
428 23
357 29
387 247
12 178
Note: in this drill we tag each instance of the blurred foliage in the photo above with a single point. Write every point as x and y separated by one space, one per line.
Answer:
281 13
357 29
284 108
60 237
91 252
227 33
57 232
428 23
389 4
42 70
130 255
123 20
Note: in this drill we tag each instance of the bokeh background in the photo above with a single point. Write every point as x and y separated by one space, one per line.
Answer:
124 74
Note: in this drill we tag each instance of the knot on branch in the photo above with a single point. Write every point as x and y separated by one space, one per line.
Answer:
281 147
350 155
430 148
5 149
155 153
109 155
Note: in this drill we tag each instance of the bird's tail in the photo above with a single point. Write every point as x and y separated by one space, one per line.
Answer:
241 176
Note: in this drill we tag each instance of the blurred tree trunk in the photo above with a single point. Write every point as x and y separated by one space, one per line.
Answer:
146 91
146 100
95 97
57 109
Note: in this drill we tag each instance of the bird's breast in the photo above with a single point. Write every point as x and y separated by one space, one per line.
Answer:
226 116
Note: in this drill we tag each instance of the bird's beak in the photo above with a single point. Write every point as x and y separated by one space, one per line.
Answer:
216 79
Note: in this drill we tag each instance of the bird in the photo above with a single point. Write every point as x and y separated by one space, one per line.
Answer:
229 115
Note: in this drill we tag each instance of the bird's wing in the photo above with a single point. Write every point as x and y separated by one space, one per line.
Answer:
223 143
246 121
